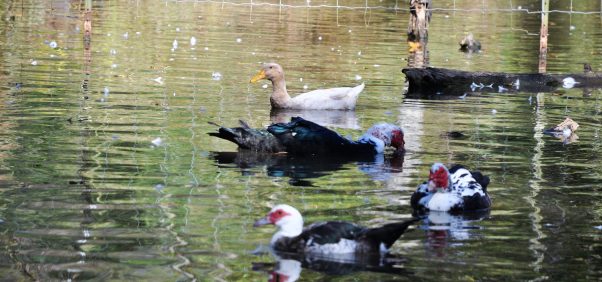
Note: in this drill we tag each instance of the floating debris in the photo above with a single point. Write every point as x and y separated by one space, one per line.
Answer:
238 40
305 86
359 53
301 79
320 38
376 65
463 96
216 76
599 227
113 66
177 29
113 52
358 77
474 86
34 62
192 41
126 35
106 91
264 86
206 48
159 187
174 45
494 111
138 33
501 89
53 44
157 142
159 80
516 84
569 82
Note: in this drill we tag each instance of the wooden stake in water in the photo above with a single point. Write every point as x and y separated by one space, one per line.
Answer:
543 36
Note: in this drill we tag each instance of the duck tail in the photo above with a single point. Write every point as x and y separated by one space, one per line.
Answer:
357 90
230 134
389 233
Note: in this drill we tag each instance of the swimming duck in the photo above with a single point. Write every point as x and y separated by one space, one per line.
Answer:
303 137
331 237
469 44
342 98
453 190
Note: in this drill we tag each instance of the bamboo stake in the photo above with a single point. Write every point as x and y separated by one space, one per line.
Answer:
543 36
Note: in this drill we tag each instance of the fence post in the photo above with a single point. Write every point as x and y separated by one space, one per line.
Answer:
543 36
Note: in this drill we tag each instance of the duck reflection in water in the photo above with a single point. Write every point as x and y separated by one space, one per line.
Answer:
301 169
288 266
444 229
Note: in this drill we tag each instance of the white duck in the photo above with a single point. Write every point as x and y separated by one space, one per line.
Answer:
342 98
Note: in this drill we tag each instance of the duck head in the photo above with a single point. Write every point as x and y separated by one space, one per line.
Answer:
390 135
288 220
269 71
439 178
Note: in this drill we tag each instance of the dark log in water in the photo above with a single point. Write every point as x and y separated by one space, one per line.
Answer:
434 81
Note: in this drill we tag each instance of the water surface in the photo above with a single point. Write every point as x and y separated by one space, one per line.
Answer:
86 195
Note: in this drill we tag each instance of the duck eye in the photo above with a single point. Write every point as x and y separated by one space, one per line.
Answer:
271 67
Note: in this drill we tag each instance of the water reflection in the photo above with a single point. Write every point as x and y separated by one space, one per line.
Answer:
442 228
300 169
288 267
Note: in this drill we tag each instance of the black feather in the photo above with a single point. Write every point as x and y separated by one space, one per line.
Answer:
389 233
248 138
301 137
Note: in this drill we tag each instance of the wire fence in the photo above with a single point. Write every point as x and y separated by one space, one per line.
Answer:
400 5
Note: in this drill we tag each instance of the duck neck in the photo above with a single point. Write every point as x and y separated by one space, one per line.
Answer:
280 97
290 229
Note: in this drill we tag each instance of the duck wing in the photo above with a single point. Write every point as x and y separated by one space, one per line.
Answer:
301 136
420 198
472 187
249 138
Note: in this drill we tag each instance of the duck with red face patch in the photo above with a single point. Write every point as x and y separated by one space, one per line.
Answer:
453 190
303 137
329 238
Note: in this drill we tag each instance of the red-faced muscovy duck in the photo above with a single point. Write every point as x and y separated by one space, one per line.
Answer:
331 237
453 190
303 137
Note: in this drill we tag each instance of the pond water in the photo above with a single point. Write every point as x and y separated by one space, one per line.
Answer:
107 171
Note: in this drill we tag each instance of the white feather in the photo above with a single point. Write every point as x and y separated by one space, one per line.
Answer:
341 98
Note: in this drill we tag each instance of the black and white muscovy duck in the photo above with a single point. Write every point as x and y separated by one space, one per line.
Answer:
303 137
331 237
453 190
